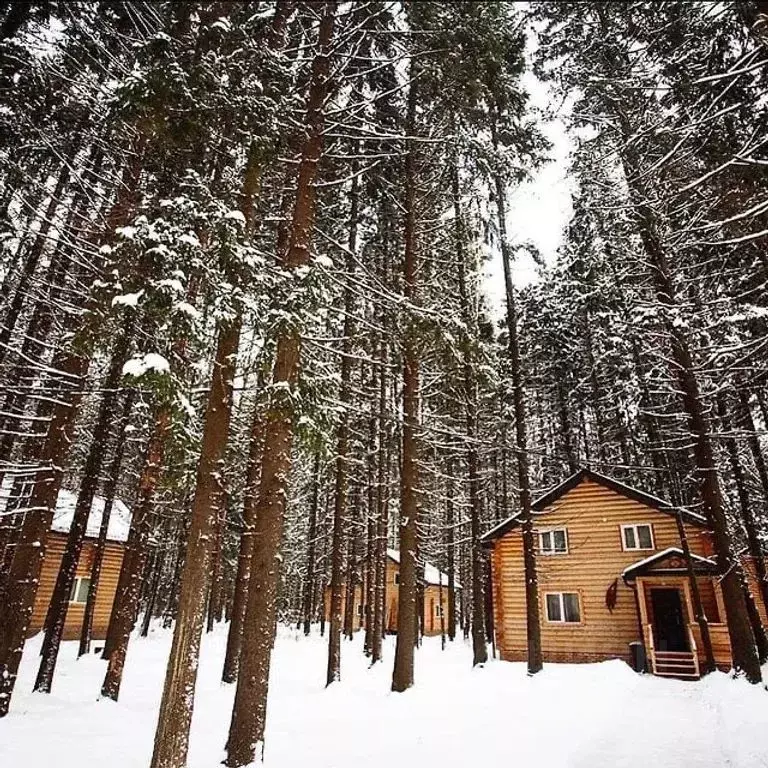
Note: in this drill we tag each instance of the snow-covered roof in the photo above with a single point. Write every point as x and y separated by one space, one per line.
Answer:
542 504
656 557
431 574
119 519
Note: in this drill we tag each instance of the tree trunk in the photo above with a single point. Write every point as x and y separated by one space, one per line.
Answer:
250 502
479 648
217 567
57 610
402 674
309 581
754 443
450 549
101 543
743 646
371 523
23 576
172 736
342 447
32 258
748 520
246 734
533 625
382 507
151 598
125 604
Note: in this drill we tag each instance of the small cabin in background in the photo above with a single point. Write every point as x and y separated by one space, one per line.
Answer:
117 535
435 598
611 574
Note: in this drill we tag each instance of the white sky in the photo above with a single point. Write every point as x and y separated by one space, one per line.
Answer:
538 210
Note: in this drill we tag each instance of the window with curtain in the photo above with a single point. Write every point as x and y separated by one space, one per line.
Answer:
553 542
80 589
563 607
637 536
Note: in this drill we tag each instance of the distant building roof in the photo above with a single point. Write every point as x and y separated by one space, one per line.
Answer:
119 518
553 494
431 574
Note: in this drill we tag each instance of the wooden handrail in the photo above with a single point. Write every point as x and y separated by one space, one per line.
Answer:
651 647
692 640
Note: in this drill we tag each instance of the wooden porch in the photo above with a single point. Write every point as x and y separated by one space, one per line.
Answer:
682 660
670 634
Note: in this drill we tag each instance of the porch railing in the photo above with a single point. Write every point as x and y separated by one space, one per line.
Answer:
651 648
692 641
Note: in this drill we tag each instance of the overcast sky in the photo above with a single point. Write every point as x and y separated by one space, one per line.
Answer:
537 210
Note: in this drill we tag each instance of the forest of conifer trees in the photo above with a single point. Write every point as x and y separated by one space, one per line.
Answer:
245 256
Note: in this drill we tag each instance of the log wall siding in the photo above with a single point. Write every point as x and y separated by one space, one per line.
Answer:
593 516
110 571
431 600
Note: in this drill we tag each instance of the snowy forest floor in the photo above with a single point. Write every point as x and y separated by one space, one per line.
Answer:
588 715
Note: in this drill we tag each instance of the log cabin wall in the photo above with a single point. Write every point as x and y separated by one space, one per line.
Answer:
110 571
431 603
592 515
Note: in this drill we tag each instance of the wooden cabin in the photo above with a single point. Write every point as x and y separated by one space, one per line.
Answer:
117 534
611 573
435 598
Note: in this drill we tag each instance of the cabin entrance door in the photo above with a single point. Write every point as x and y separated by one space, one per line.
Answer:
669 620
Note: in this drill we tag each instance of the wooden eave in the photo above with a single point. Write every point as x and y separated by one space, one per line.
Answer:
653 565
541 504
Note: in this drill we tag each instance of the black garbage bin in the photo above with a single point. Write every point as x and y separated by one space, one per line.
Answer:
637 652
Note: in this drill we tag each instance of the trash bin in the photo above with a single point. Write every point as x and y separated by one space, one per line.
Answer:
637 653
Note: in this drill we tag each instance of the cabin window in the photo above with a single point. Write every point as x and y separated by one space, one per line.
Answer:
438 611
553 542
80 590
360 609
563 607
637 536
397 578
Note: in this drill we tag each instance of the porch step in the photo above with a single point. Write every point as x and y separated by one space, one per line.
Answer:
675 664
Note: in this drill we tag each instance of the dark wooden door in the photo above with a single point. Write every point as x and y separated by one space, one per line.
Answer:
669 620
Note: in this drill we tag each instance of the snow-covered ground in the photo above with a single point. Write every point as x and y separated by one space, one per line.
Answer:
570 715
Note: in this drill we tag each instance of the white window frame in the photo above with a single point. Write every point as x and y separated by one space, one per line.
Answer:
634 527
553 552
76 588
562 620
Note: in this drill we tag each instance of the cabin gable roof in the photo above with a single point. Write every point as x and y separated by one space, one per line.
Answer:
542 504
432 576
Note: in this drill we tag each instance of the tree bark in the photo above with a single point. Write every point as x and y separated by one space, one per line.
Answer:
309 581
246 734
333 672
451 549
748 519
101 543
382 508
250 503
745 658
125 604
172 736
402 674
57 610
533 625
23 577
33 257
479 648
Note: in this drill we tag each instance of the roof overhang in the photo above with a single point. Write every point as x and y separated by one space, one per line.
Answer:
668 562
541 504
